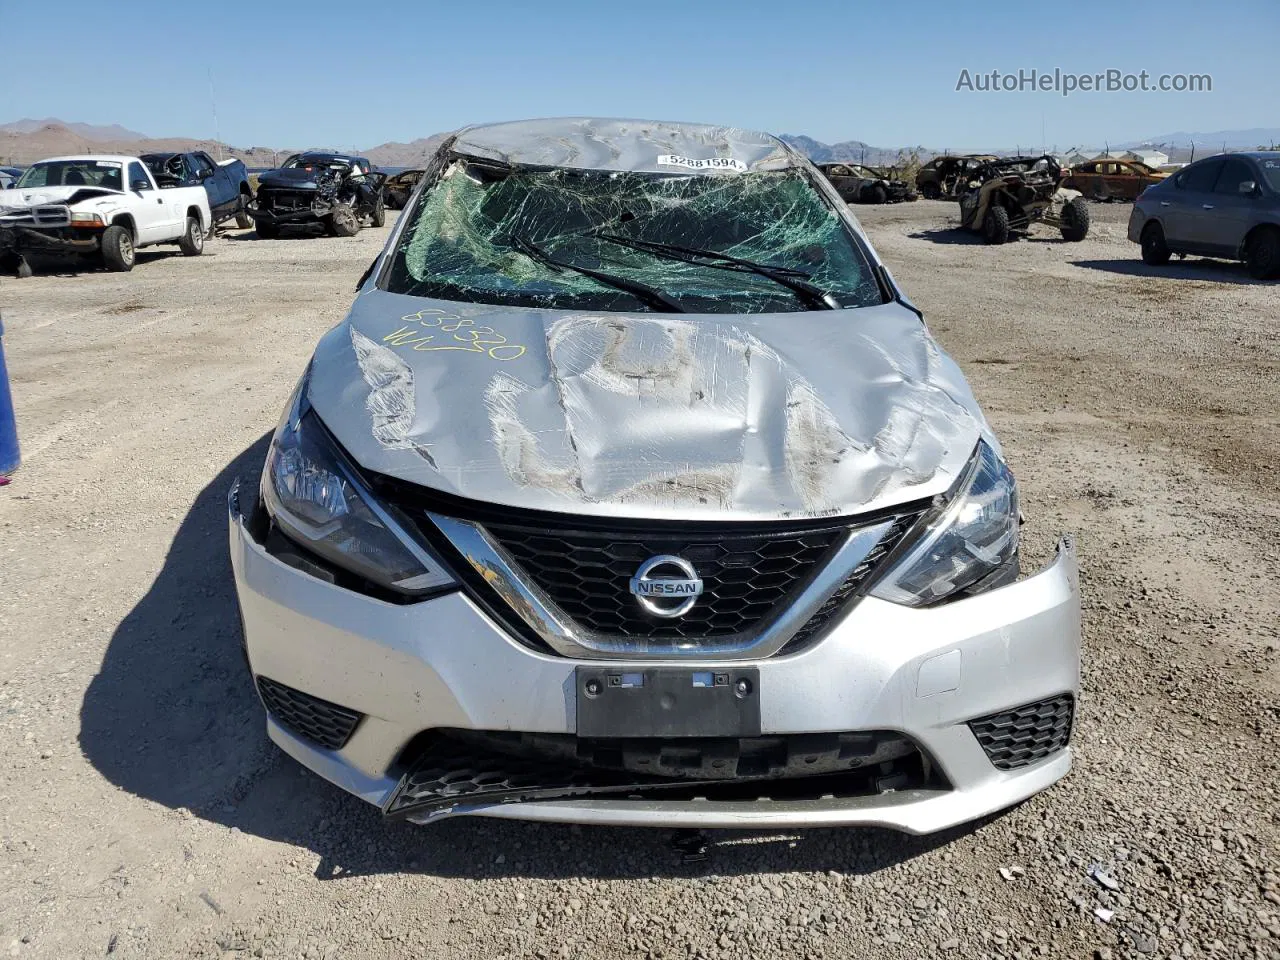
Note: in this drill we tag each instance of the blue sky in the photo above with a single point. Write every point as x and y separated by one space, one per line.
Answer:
359 74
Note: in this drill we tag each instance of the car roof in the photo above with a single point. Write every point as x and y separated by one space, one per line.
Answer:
591 143
1251 154
326 156
115 158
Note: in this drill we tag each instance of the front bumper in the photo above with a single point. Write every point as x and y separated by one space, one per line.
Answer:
443 663
316 212
23 239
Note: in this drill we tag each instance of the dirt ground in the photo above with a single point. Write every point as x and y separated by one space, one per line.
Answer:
144 814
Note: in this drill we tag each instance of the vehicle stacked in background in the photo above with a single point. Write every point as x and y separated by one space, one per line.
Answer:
1111 179
1004 197
944 178
8 177
1224 206
399 188
100 206
858 183
332 190
226 183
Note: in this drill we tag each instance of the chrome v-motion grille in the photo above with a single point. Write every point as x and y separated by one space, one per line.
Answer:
759 588
588 575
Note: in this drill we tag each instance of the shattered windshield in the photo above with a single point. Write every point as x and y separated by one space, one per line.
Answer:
609 240
74 173
315 163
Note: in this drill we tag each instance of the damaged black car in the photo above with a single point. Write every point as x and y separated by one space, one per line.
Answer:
858 183
336 191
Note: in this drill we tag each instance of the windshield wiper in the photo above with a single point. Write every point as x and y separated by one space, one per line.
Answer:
794 280
643 292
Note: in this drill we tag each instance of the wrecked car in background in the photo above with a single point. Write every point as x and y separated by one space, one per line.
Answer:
857 183
9 176
633 490
105 207
226 183
1005 197
399 187
1112 179
333 190
944 178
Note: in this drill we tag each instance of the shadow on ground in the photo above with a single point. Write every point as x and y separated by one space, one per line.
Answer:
958 236
70 265
305 232
948 236
172 718
1218 271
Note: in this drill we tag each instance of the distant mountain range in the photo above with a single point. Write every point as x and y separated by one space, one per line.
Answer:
852 151
30 140
25 141
1177 145
1250 138
88 131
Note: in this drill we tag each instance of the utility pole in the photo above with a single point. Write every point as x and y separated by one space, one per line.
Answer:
213 103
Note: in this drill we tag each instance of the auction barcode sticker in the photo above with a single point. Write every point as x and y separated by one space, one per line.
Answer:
709 163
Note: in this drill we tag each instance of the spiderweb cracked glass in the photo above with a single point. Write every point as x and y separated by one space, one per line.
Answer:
466 242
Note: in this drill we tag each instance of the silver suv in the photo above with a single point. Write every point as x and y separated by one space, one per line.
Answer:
1223 206
633 490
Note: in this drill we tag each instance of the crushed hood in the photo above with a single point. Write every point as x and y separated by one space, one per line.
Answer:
291 179
767 416
38 196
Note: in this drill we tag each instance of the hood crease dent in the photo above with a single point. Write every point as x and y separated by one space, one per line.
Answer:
391 400
768 416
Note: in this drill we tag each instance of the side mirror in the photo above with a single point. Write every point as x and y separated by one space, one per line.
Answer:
1248 187
139 185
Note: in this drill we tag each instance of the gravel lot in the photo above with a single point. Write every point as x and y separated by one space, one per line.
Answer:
144 814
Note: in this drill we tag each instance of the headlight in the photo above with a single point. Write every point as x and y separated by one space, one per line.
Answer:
975 536
86 219
314 496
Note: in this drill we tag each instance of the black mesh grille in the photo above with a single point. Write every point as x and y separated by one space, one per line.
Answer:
745 578
319 721
829 611
1025 734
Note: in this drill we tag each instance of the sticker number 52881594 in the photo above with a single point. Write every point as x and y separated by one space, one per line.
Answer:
706 163
448 331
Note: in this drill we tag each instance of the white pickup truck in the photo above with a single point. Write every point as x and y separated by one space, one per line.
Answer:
103 206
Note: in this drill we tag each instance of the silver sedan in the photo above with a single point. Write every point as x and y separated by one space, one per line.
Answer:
632 489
